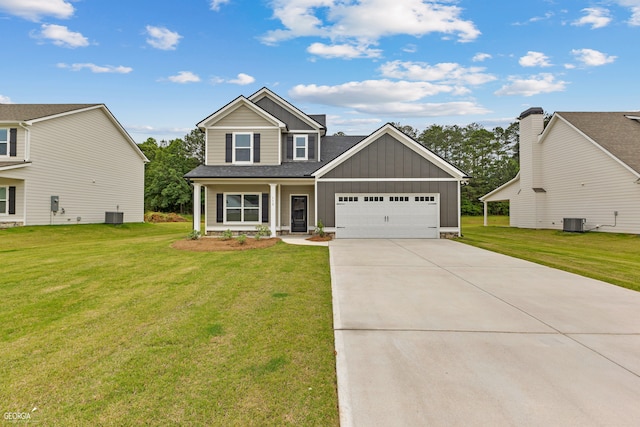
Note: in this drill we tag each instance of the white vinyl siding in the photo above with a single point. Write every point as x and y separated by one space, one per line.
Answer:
85 160
586 183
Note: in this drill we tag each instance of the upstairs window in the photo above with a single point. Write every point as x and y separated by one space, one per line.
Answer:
242 148
4 142
300 147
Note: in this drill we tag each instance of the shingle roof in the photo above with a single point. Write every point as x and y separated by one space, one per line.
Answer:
332 147
24 112
615 132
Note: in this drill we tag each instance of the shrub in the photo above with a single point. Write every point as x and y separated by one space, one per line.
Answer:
226 235
262 231
242 239
320 229
194 235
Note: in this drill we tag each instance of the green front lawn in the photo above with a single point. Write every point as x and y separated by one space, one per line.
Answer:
104 325
613 258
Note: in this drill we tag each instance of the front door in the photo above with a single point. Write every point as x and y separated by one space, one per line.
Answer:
298 214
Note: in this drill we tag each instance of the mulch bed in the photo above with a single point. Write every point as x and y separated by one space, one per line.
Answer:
216 244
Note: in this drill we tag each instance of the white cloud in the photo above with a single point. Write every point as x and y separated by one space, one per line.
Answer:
5 100
446 72
385 97
34 10
184 77
597 17
162 38
96 68
542 83
534 59
480 56
242 79
634 7
346 51
592 58
363 23
215 4
61 36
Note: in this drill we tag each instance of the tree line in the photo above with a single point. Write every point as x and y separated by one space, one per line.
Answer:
490 158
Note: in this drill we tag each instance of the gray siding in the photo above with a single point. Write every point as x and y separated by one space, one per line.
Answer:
276 110
448 191
387 158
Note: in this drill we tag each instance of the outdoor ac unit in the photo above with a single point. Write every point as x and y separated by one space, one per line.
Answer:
574 225
113 217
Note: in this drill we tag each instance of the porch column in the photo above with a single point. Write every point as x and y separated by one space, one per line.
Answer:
196 206
272 209
485 212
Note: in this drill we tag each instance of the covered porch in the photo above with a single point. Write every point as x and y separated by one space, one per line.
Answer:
285 206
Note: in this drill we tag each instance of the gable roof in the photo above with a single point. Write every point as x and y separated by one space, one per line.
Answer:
28 112
616 132
235 104
33 113
404 139
312 120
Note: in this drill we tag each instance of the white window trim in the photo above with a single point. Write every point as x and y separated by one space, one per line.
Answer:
7 142
306 147
6 200
239 162
242 208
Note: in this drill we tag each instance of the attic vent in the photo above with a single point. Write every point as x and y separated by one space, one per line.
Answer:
573 225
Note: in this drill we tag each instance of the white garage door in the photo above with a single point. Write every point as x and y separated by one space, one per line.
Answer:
387 216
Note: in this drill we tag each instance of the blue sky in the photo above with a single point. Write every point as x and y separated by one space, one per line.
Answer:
163 66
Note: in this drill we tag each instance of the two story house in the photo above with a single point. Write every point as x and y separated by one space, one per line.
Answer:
268 163
67 164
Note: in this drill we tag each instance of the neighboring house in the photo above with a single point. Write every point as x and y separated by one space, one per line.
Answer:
584 167
67 164
268 163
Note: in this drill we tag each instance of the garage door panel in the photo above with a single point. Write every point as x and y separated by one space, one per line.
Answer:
398 215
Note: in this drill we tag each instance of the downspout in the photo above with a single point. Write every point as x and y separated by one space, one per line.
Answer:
27 140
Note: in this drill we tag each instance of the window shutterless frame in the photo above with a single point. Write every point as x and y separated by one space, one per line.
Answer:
300 147
242 147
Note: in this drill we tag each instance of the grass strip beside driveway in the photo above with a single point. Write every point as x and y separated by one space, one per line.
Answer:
610 257
104 325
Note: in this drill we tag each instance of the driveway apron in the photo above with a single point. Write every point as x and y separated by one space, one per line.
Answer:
438 333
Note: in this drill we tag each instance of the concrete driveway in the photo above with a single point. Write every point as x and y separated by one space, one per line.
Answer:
438 333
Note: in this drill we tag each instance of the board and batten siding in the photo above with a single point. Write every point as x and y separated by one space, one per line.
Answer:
276 110
582 181
85 160
286 192
388 158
